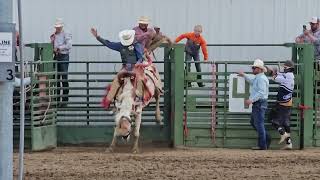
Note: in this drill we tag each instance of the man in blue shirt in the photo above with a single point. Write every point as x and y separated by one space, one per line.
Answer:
258 98
131 53
62 44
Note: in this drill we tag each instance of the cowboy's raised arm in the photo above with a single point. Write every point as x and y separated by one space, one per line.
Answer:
112 45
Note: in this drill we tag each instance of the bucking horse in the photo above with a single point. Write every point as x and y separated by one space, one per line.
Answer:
126 107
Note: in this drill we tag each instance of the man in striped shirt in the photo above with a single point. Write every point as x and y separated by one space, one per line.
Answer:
280 116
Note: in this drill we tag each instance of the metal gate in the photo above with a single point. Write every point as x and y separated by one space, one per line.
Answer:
192 116
207 121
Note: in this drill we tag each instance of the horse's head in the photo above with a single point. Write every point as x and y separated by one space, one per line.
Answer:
124 108
123 127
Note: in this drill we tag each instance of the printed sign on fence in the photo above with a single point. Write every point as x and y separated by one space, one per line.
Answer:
239 91
6 47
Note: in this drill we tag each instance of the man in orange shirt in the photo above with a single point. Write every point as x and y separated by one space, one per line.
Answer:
194 42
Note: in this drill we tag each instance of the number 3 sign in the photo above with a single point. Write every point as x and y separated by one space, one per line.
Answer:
7 50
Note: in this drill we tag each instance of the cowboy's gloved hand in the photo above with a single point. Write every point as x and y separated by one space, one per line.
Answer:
139 61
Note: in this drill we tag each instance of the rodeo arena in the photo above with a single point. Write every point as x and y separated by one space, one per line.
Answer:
170 89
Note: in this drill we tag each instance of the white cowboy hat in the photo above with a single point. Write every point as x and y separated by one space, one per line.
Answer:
259 64
143 20
126 37
59 23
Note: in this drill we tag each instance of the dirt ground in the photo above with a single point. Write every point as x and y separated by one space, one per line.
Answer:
163 163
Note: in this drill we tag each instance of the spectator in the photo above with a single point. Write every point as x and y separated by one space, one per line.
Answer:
194 42
61 41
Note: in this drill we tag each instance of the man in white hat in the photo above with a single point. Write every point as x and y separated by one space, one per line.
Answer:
143 34
61 47
131 53
258 97
312 36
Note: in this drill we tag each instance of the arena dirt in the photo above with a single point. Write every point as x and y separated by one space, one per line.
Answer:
72 163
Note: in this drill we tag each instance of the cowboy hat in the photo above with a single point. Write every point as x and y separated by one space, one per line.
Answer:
143 20
59 23
126 37
259 64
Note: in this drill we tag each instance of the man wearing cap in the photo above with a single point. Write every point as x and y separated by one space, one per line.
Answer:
194 42
280 117
131 53
258 98
312 36
61 47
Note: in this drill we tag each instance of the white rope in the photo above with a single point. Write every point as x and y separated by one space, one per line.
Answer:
49 104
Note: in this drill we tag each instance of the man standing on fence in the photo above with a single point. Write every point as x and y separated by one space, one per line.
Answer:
280 116
143 34
61 48
194 42
258 98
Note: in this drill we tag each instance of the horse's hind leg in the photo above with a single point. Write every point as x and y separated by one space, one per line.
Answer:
113 143
157 97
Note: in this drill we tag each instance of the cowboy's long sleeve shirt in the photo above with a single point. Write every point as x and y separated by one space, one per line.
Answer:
117 46
260 86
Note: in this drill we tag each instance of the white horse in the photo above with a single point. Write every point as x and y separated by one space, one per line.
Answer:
125 107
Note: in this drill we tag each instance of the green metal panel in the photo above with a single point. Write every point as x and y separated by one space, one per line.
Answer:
103 134
307 59
44 137
43 108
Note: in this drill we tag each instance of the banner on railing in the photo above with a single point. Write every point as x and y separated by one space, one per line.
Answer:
239 91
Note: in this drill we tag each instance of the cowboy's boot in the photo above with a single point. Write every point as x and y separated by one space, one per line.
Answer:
115 85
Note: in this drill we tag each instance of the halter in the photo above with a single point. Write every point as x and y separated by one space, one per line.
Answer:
127 135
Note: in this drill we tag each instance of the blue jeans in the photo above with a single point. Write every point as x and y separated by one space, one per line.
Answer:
257 121
196 57
62 68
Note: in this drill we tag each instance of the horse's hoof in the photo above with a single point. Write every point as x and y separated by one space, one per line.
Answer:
158 120
110 150
135 151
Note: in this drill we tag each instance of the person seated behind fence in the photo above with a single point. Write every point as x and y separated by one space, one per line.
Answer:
194 41
131 54
280 114
258 98
312 36
62 45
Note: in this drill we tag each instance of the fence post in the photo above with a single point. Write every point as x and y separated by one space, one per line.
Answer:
307 92
177 93
88 91
167 91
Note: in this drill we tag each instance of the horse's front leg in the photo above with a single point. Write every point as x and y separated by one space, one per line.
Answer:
113 143
158 115
136 134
